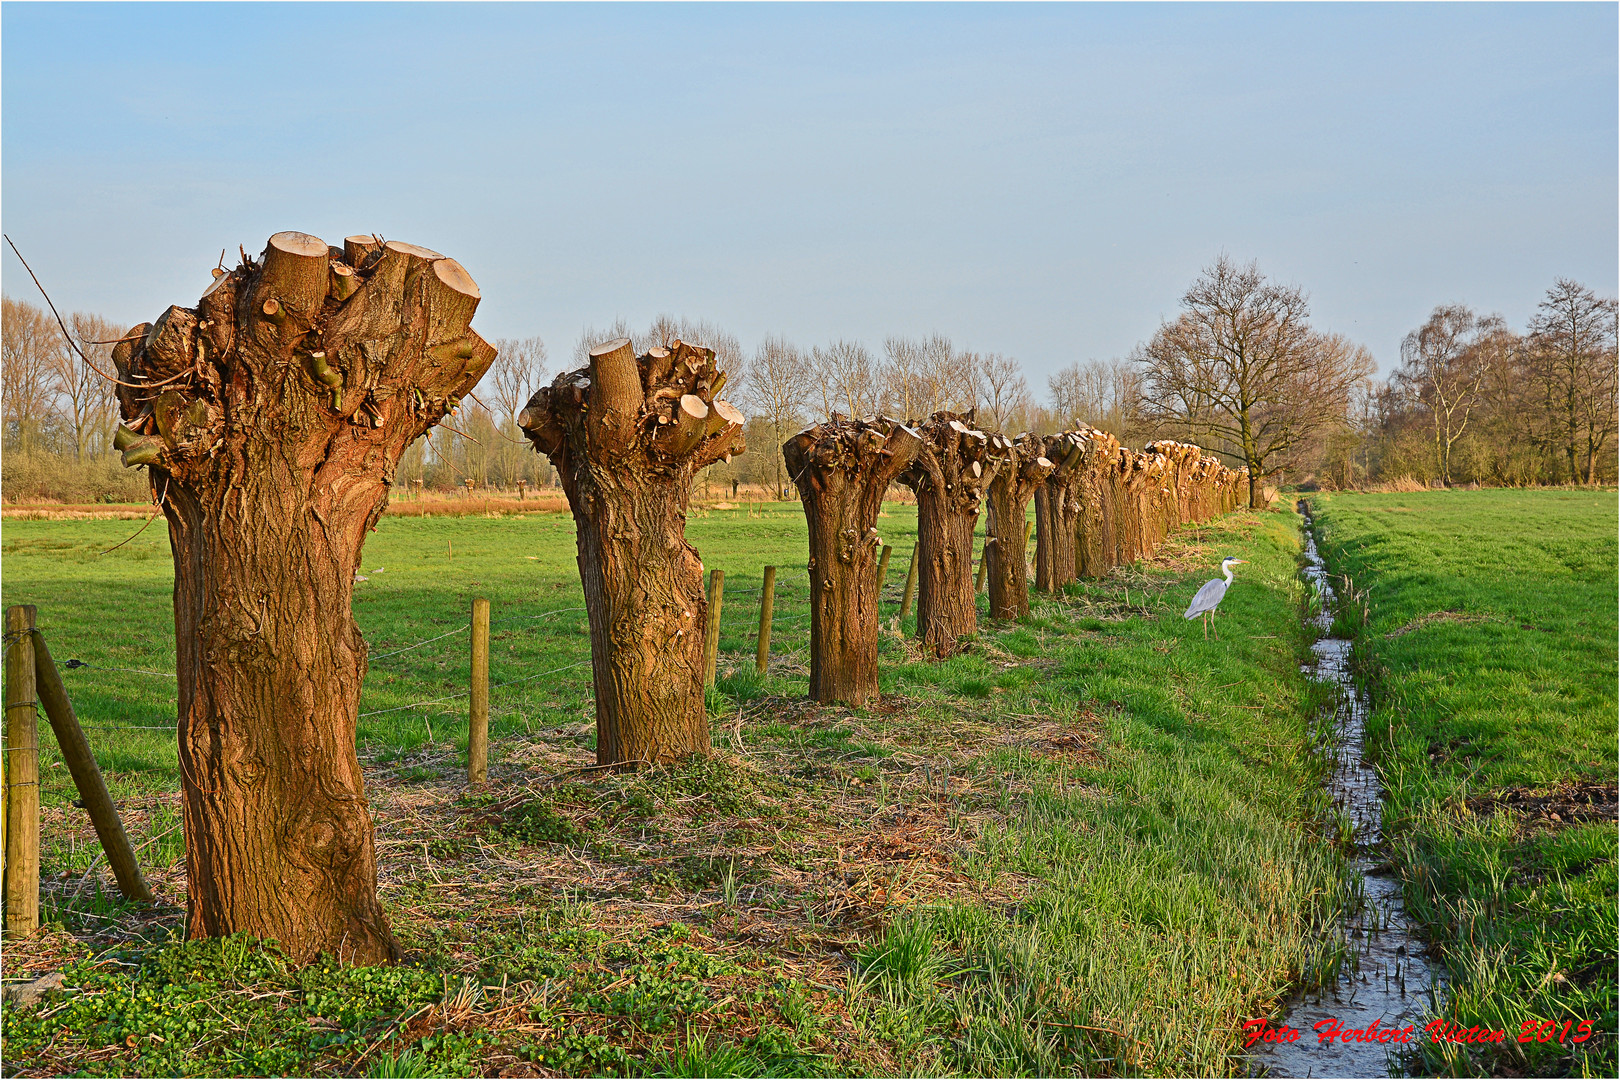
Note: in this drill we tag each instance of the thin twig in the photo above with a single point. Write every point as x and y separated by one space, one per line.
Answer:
63 325
149 520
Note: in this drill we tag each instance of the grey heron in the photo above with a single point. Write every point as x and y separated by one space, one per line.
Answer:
1209 597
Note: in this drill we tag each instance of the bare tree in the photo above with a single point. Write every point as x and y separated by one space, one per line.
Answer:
1243 365
1572 339
86 397
30 345
947 375
846 378
1444 365
1104 394
518 370
780 392
901 374
1001 391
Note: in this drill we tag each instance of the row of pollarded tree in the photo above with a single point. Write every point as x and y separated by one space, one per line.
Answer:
272 417
1098 505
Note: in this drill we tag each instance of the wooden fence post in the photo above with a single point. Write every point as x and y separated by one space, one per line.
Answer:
911 584
883 567
984 560
22 765
478 700
711 634
767 603
81 764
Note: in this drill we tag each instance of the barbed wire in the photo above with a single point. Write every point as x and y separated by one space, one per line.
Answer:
425 641
75 664
172 729
544 615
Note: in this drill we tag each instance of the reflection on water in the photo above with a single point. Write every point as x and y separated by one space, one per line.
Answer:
1386 979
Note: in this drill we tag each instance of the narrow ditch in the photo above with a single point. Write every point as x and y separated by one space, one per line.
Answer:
1385 977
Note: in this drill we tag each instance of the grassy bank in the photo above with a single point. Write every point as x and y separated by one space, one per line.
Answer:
1485 627
1085 846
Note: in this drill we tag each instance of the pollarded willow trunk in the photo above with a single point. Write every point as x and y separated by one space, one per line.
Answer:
627 435
1024 471
1057 512
271 417
1090 558
949 474
1134 482
842 468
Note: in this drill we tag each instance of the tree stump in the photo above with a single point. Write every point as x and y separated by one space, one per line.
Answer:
272 416
1025 470
953 464
627 435
842 469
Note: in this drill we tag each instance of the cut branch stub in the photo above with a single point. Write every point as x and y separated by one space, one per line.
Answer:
272 416
1014 485
954 462
627 434
842 469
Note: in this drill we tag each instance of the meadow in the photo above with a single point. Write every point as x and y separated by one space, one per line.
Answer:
1485 631
1090 844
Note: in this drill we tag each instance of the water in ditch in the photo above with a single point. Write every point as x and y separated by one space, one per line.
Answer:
1386 978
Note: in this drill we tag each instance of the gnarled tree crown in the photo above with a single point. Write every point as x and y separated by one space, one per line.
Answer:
660 412
336 354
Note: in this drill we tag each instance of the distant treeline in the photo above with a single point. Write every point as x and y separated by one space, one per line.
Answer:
1240 371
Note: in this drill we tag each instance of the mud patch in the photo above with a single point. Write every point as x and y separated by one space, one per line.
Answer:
1568 803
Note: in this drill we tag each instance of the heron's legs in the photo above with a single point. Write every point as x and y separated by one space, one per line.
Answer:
1206 626
1212 629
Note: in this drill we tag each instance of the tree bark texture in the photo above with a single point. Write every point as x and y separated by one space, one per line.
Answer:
1023 473
1097 523
1056 528
842 469
627 434
271 417
949 474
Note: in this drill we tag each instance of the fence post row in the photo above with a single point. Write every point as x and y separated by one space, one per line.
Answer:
711 635
911 584
767 603
478 696
22 768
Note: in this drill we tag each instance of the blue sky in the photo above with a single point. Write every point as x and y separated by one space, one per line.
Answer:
1042 181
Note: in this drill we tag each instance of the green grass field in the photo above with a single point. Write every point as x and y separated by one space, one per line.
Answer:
1486 631
1088 845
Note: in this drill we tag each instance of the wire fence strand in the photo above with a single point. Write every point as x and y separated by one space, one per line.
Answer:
74 665
419 644
465 693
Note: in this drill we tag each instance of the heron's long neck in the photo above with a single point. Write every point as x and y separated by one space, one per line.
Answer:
1227 570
